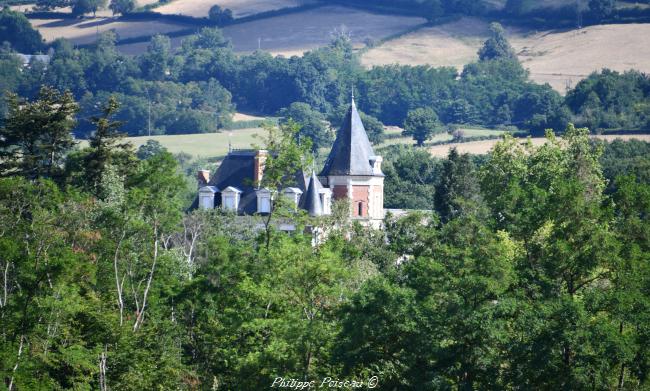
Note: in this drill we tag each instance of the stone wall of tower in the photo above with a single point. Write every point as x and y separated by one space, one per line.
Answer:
360 198
377 200
365 195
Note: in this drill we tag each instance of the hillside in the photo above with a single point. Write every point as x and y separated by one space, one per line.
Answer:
295 33
239 8
560 58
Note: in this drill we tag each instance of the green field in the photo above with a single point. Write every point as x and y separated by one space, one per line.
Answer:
216 144
468 132
204 144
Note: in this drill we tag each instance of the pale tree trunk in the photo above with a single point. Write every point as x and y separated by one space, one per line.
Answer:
118 283
20 352
192 230
140 318
3 300
102 371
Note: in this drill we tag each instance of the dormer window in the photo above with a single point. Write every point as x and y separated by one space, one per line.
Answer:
375 163
230 198
326 199
206 197
293 195
264 197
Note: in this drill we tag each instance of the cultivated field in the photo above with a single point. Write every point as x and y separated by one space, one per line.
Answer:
239 8
31 7
564 58
451 44
85 31
482 147
293 34
540 4
560 58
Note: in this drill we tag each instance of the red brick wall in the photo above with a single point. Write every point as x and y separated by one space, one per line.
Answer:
339 192
260 163
360 194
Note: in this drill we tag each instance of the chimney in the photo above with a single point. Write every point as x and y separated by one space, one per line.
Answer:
260 163
203 177
375 162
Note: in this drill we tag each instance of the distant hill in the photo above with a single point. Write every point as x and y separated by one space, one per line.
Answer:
560 58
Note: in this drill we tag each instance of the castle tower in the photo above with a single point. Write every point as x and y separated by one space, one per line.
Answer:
353 171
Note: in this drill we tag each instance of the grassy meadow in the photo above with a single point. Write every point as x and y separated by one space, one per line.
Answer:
216 144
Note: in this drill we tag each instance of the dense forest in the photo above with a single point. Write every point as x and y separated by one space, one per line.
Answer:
524 269
196 88
529 271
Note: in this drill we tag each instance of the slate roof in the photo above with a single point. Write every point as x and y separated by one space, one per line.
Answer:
238 170
311 201
351 152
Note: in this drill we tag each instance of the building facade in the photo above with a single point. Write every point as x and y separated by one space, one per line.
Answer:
352 173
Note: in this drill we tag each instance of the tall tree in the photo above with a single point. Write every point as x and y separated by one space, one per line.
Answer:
457 189
422 124
287 158
156 62
16 29
121 7
312 124
81 7
107 147
497 45
37 135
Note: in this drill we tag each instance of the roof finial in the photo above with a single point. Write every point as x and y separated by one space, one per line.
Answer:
353 93
229 142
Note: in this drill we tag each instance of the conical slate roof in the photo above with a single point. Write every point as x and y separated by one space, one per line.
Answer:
351 152
311 200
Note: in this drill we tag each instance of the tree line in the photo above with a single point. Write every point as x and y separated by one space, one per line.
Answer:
530 270
196 88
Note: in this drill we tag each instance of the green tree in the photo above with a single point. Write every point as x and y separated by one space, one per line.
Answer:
16 29
47 286
411 174
121 7
457 189
422 124
220 15
287 157
82 7
551 200
150 149
37 135
440 318
107 147
312 124
156 62
497 46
